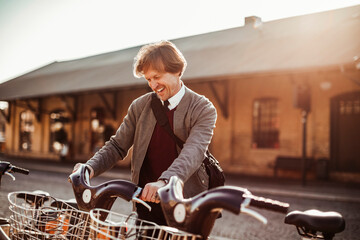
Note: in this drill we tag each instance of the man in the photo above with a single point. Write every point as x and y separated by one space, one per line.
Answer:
156 157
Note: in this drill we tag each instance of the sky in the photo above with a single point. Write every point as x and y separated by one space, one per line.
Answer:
34 33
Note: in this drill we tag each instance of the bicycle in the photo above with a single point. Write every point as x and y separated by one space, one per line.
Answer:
7 169
186 217
190 215
177 210
37 215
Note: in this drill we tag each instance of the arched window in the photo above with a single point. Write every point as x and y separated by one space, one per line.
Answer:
2 129
27 128
97 116
58 132
4 106
265 123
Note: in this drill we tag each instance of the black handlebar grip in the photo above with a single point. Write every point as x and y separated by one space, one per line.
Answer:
19 170
269 204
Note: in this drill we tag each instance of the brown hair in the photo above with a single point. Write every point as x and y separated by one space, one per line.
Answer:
162 56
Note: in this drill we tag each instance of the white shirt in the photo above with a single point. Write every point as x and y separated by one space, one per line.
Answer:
175 100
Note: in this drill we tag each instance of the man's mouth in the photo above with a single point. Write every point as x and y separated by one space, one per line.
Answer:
160 90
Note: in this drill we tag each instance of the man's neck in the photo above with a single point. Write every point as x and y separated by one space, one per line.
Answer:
174 100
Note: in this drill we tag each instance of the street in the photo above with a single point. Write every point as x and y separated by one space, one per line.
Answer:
230 226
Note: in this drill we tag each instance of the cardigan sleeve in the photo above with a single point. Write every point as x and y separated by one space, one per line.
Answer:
119 144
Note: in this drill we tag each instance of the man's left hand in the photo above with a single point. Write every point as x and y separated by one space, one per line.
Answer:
149 193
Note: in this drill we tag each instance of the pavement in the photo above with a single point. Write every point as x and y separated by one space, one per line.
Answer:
261 186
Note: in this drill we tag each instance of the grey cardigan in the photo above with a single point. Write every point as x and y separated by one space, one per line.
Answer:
194 121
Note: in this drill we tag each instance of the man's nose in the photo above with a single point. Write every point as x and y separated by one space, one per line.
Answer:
153 84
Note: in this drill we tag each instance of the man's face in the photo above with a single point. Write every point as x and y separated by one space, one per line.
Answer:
164 84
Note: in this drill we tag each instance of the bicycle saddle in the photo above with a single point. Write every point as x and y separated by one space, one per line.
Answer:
4 221
37 197
315 220
60 202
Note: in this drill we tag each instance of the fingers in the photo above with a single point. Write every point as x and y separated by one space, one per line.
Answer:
91 171
76 167
149 192
157 199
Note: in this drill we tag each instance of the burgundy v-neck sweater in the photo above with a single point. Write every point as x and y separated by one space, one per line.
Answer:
160 154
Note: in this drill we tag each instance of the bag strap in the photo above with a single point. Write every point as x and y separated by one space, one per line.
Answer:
161 118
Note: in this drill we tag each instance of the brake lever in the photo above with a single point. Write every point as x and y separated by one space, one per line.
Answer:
244 209
138 200
9 174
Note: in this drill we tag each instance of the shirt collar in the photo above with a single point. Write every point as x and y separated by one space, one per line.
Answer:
175 100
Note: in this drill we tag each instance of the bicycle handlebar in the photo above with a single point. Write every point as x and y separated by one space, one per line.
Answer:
7 167
104 195
192 215
19 170
269 204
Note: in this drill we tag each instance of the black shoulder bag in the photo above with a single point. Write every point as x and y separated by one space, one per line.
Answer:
212 166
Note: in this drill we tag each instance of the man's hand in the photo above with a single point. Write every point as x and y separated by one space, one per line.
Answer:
149 193
77 166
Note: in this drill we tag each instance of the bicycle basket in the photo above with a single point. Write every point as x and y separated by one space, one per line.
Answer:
120 226
37 217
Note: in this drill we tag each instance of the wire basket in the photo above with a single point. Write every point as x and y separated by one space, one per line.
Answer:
36 216
119 226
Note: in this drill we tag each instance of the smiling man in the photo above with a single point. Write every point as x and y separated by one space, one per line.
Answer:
156 157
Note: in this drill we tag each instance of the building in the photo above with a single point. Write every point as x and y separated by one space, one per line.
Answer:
262 78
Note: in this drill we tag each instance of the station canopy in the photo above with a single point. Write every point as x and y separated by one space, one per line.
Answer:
311 41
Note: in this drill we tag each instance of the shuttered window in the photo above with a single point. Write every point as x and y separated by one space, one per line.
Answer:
265 124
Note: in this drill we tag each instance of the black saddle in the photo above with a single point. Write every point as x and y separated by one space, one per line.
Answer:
312 221
63 204
37 197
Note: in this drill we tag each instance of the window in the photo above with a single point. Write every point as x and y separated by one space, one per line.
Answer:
58 133
26 130
2 129
97 117
265 123
2 133
4 107
349 107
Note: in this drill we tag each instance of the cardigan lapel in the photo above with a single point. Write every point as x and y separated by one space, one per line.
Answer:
145 129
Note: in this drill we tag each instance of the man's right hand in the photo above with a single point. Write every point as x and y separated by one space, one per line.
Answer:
77 166
149 193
